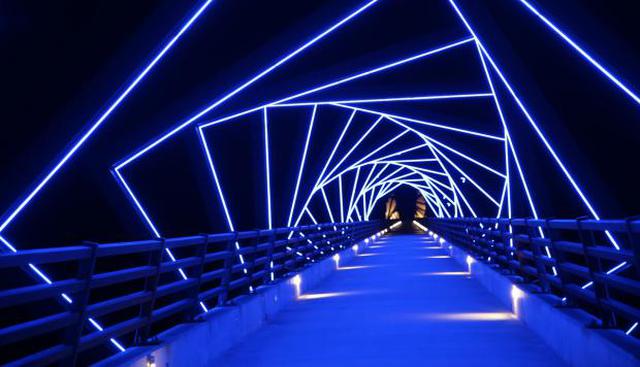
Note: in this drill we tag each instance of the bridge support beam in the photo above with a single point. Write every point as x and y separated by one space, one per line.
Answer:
566 330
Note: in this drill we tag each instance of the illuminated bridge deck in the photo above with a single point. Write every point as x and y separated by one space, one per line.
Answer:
402 301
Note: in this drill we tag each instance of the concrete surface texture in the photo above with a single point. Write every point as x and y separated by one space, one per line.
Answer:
401 302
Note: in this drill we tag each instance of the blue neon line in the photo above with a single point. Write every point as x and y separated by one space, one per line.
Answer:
452 181
346 79
354 147
137 205
267 168
123 184
555 156
379 69
467 176
508 144
68 299
9 245
582 52
321 184
205 147
390 99
353 192
216 181
341 199
335 147
283 60
301 168
421 122
326 202
492 170
103 117
313 219
504 126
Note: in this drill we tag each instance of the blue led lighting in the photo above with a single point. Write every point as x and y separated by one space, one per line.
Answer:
301 167
582 52
533 124
246 84
105 115
265 120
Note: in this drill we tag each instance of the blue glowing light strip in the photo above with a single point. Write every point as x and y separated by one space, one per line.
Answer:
341 200
301 168
582 52
267 169
533 124
504 127
335 147
379 69
313 219
364 185
75 147
123 184
245 85
384 159
326 203
329 175
449 148
40 274
212 169
457 190
509 147
382 146
345 156
353 192
482 190
342 81
103 117
375 182
426 123
392 99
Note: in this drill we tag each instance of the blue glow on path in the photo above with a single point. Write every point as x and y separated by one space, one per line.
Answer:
384 311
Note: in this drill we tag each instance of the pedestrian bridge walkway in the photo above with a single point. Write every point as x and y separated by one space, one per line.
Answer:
403 301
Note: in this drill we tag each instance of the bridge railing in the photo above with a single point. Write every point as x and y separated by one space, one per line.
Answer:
141 288
576 259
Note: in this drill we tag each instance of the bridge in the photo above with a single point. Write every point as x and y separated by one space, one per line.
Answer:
397 296
347 183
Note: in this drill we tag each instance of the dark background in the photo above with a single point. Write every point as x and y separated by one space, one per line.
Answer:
62 61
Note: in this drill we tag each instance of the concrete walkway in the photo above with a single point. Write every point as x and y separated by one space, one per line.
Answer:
401 302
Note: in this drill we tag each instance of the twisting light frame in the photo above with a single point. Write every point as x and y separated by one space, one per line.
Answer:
75 147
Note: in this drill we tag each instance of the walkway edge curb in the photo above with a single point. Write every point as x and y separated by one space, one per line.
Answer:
200 343
565 330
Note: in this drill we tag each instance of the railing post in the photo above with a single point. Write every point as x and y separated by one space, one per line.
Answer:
594 265
79 305
250 263
506 246
560 258
269 276
141 336
634 244
201 252
537 257
228 267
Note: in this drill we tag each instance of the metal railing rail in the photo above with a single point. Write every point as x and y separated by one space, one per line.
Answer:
145 297
569 257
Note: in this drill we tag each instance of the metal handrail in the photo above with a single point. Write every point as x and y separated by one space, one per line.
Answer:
143 297
572 258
